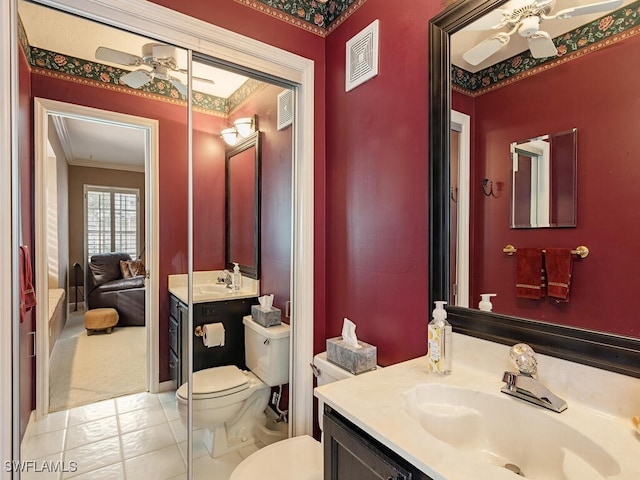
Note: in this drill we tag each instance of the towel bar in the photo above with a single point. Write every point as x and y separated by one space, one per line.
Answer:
581 251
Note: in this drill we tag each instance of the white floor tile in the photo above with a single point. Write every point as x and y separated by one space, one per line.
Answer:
47 468
249 449
147 440
136 401
111 472
39 446
165 397
139 419
199 449
179 430
171 410
94 456
158 465
90 432
52 422
93 411
207 468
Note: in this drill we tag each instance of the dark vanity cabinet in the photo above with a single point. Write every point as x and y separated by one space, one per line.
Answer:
229 313
352 454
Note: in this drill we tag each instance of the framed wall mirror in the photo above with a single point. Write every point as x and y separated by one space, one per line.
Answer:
597 343
543 187
242 199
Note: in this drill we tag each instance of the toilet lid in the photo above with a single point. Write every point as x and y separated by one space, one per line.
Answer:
296 458
216 382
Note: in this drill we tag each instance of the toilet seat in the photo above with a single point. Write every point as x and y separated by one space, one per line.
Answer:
296 458
215 382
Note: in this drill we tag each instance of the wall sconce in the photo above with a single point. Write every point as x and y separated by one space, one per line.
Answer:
242 128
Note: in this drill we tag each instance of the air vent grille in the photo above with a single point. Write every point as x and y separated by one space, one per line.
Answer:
362 57
285 109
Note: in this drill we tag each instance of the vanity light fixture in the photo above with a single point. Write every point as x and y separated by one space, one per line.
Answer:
242 128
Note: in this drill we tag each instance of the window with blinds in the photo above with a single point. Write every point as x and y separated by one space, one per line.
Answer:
111 220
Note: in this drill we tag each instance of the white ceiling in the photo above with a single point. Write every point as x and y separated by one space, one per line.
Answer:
87 142
469 37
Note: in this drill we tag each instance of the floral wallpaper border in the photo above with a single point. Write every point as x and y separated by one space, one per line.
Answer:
66 67
311 15
588 38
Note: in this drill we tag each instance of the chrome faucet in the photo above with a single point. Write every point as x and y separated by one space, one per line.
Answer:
524 385
228 281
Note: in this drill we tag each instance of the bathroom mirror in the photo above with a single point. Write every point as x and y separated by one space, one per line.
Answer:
544 181
242 173
591 346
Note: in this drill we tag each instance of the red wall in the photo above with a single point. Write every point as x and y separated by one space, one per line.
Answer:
598 94
377 177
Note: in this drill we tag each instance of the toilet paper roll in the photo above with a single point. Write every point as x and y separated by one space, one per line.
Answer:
213 335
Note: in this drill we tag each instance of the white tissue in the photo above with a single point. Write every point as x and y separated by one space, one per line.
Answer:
266 301
349 333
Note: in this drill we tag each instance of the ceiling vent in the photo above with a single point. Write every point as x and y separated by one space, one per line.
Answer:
285 109
362 56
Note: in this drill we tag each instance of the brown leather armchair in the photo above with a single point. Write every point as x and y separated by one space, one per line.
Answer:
106 288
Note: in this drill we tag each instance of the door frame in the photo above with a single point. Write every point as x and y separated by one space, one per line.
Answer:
152 20
42 109
461 122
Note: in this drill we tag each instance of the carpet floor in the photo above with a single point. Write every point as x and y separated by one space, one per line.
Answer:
86 369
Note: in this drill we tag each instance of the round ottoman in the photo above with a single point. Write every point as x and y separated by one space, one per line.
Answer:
100 319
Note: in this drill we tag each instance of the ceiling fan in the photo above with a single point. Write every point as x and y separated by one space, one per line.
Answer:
161 59
525 17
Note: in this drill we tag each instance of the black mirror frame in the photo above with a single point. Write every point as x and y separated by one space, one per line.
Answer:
611 352
251 271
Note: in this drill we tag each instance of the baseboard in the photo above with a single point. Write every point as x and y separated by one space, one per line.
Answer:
167 386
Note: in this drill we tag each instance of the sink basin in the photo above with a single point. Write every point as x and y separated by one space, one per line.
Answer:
502 431
214 288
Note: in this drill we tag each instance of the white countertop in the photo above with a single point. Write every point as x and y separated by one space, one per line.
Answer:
178 287
600 405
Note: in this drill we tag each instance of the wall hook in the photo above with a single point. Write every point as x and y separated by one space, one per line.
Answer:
453 193
487 188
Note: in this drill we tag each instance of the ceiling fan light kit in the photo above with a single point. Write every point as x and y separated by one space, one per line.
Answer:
525 17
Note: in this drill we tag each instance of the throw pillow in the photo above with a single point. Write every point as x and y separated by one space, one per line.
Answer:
136 267
124 268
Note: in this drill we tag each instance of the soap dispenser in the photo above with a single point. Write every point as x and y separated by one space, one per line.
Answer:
485 303
439 355
237 277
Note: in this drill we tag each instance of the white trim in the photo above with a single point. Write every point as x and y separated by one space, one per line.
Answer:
148 19
9 420
462 123
42 109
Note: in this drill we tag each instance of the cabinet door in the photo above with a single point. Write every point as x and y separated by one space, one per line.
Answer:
351 454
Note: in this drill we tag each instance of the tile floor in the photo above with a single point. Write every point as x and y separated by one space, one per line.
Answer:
134 437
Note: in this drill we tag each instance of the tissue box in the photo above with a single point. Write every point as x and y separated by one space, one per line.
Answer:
354 360
266 317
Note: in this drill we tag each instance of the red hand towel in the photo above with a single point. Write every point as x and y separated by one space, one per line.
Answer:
559 266
27 293
529 273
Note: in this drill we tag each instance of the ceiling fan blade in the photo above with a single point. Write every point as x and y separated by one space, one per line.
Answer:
181 87
116 56
200 79
588 9
491 20
486 48
136 79
542 46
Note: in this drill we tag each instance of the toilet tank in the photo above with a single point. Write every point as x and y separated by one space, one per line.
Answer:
327 372
267 351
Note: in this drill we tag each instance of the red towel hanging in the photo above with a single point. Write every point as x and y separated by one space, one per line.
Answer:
530 278
27 293
559 266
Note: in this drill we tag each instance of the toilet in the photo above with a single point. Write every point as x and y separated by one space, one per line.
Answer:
298 458
228 403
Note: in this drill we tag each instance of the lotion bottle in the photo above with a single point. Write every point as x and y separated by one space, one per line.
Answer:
439 355
485 303
237 277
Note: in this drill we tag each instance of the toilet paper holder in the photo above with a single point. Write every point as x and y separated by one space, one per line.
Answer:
199 332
